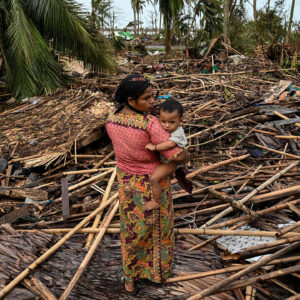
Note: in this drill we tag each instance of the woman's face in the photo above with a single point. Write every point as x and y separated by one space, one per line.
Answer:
145 102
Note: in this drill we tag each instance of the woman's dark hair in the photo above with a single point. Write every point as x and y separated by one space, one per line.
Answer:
131 86
171 106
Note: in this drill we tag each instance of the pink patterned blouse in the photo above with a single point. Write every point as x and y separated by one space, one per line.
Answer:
130 134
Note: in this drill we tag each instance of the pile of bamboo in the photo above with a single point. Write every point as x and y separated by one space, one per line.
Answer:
243 132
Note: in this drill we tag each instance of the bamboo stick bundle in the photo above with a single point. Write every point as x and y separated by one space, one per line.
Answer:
104 199
103 228
229 269
260 213
249 196
56 246
217 287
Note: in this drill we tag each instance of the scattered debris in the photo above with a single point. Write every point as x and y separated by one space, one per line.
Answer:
243 126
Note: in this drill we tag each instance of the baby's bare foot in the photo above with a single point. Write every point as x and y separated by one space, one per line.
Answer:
151 205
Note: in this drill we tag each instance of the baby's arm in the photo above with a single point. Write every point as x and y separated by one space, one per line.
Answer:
167 145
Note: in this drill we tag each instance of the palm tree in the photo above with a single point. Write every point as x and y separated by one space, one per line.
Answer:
169 9
133 5
32 30
100 13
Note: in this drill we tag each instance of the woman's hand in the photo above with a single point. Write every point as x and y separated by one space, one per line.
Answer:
182 158
150 147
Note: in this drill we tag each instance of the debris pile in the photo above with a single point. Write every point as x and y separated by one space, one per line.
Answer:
237 233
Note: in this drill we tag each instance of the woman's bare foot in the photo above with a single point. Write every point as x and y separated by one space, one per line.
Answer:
151 205
129 286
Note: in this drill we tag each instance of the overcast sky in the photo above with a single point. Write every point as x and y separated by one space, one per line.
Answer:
124 12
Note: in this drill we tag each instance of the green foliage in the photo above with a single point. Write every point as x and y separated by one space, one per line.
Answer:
270 27
31 30
118 43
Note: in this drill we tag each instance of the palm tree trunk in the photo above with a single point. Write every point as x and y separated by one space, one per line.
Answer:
93 13
226 21
291 20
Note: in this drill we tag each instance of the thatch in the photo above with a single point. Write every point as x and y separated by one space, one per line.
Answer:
46 128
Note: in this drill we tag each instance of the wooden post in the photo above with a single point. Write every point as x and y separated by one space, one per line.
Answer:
65 197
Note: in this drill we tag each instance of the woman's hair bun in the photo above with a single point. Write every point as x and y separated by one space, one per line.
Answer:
133 86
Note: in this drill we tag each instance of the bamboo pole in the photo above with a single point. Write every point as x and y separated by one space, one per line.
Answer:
103 228
87 181
84 171
229 269
214 166
288 229
99 176
216 287
39 288
276 151
104 199
244 282
199 231
295 297
42 258
284 117
250 293
249 196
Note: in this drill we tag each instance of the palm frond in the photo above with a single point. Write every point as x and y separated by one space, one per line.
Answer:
65 25
33 69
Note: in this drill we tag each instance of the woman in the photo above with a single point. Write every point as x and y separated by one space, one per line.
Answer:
147 238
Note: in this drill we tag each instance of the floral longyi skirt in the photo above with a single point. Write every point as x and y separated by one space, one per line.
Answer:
147 238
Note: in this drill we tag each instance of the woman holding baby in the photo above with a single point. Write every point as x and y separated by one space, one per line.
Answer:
147 238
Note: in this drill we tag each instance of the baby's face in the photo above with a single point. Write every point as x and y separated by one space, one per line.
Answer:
170 121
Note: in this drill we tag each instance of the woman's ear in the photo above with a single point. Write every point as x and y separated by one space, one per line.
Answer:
131 101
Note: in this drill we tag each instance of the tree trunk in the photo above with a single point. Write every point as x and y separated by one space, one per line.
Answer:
160 17
134 19
138 22
93 13
291 20
226 21
254 11
167 35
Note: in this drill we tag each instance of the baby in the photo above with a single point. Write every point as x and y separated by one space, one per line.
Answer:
171 112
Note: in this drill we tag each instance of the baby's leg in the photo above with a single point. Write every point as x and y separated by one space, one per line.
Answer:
156 177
